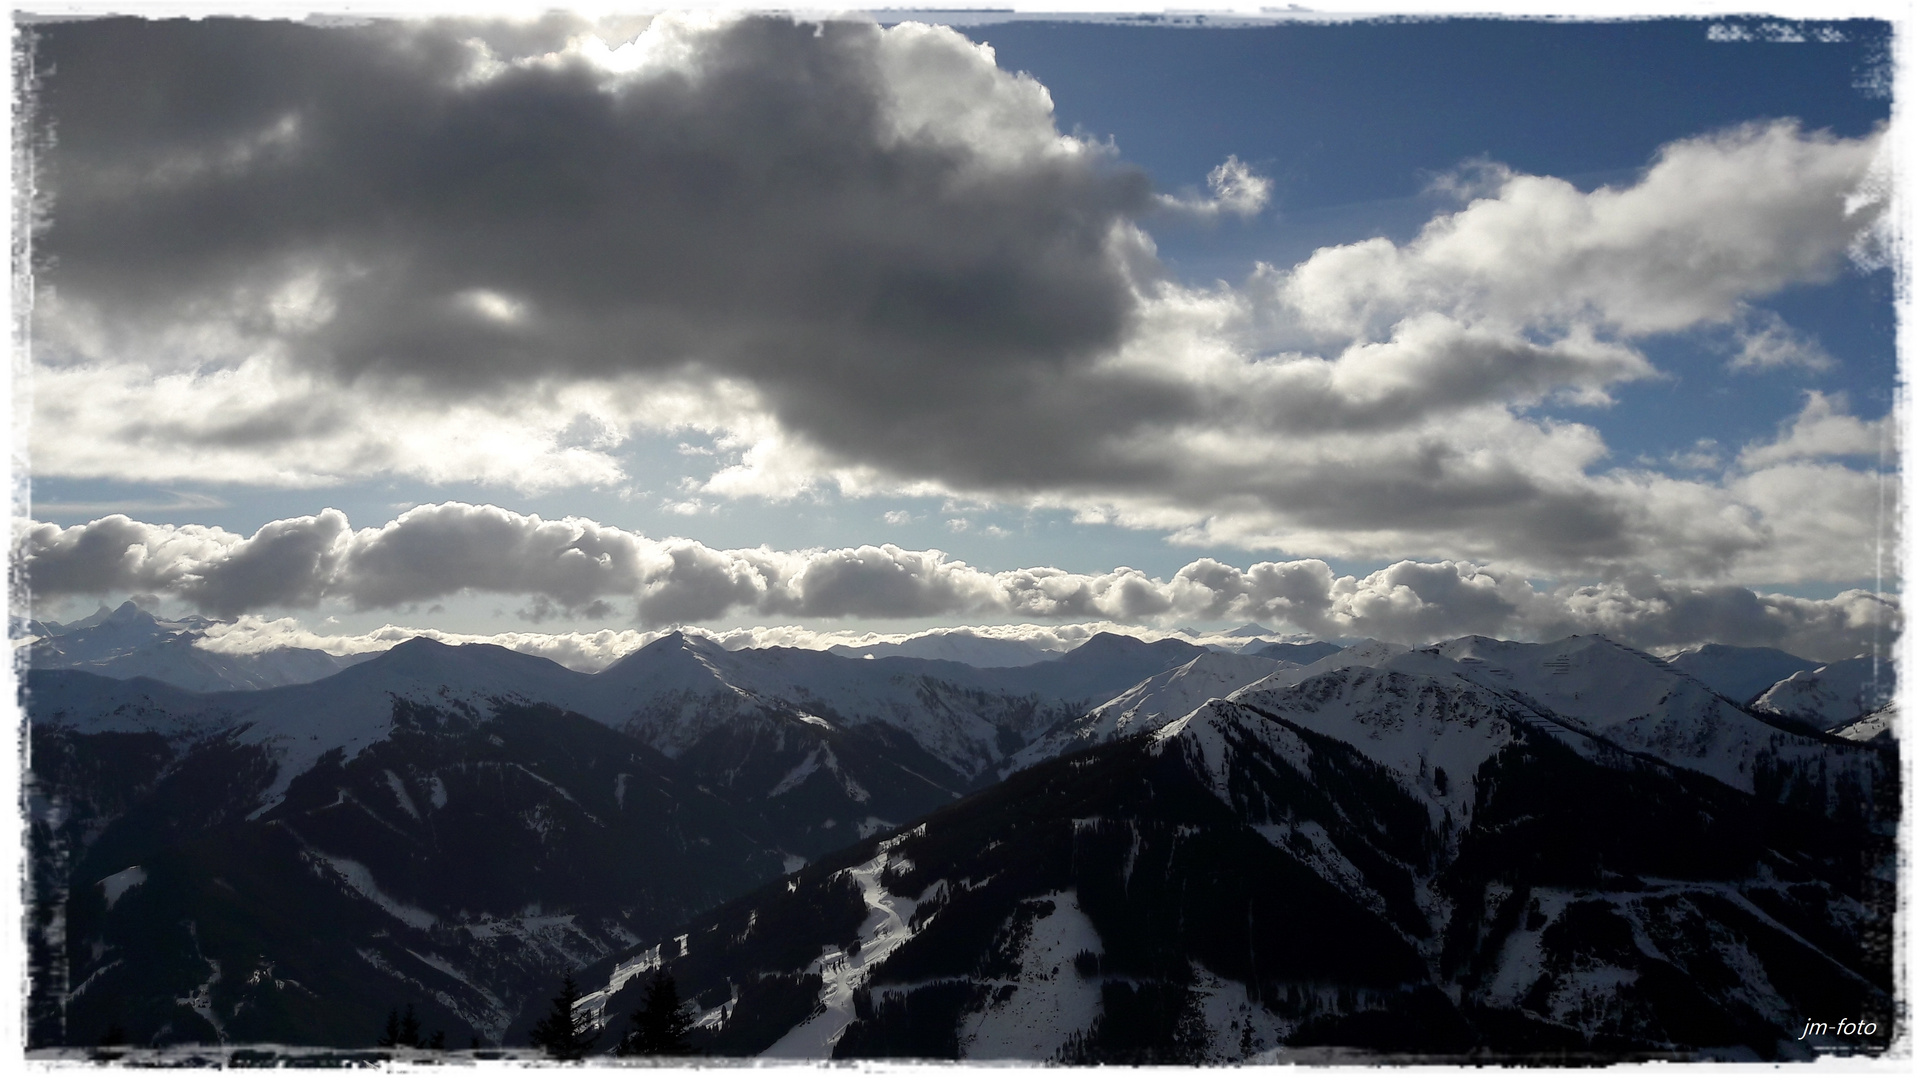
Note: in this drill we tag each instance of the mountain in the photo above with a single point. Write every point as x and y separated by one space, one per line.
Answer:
155 808
108 633
1641 705
1832 695
1494 848
1738 672
455 863
1876 727
129 642
1382 860
1102 667
1379 859
1148 704
959 646
1292 654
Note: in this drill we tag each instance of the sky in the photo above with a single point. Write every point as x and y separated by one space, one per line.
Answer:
573 329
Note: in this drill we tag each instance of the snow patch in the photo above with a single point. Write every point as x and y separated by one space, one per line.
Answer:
872 826
1238 1028
358 878
1030 1017
886 928
116 885
400 795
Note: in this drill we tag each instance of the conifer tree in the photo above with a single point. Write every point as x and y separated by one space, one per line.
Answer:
410 1028
392 1036
659 1027
563 1034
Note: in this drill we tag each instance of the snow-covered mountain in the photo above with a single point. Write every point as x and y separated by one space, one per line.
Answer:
1741 673
454 863
1876 727
1148 704
129 642
1499 848
1832 695
1380 859
1631 701
959 646
1302 654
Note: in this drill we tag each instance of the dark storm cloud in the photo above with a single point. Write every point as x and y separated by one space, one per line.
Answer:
757 213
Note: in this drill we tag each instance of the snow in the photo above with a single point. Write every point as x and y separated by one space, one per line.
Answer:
1308 841
1419 724
358 878
400 794
437 793
1831 695
1871 726
1633 701
1739 672
672 692
959 645
820 757
200 999
884 930
1225 1008
595 1002
1050 1000
1149 704
116 885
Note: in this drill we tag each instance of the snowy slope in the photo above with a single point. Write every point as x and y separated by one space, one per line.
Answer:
1293 653
1877 726
676 690
298 724
1433 730
129 643
1368 653
89 704
958 646
1148 704
1739 672
105 634
680 688
1832 695
1396 857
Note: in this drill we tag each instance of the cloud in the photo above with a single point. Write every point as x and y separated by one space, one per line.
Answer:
1766 341
573 565
866 259
1823 429
1715 220
1236 189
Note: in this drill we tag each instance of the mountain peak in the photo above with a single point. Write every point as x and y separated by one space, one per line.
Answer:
127 614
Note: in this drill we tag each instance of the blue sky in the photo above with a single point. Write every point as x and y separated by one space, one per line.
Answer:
1349 131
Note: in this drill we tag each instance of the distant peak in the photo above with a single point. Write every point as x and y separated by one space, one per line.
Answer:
420 644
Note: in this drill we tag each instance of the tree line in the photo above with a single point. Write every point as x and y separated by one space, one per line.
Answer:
658 1028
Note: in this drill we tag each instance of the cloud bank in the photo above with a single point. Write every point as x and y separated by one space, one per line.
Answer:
865 259
434 552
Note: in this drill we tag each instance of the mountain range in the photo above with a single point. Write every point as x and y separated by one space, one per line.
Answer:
1132 852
